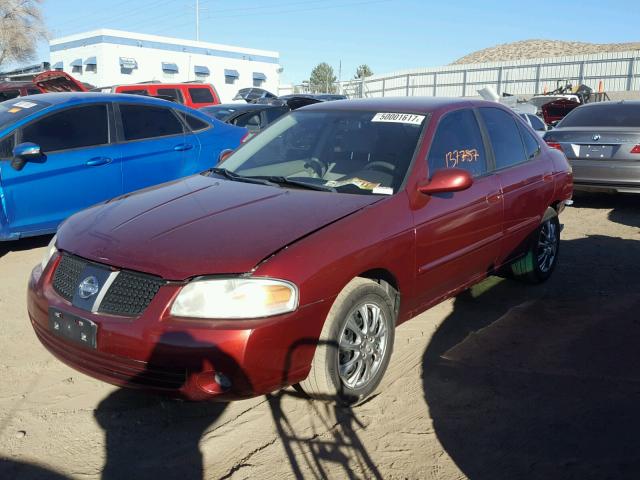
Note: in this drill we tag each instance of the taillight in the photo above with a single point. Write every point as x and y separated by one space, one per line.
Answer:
555 145
636 149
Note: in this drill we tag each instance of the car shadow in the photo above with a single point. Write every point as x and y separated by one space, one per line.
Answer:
543 381
625 208
332 443
10 469
151 436
24 244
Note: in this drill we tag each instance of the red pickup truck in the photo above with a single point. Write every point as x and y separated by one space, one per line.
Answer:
194 95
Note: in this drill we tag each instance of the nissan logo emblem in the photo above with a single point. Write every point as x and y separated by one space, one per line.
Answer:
88 287
596 137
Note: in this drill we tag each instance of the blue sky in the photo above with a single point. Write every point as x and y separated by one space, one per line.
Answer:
387 35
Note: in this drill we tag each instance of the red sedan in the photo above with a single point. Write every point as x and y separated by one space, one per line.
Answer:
293 261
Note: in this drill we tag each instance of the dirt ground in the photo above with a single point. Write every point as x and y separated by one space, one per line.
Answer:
505 381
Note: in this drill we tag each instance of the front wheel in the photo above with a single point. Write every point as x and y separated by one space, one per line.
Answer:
541 259
355 345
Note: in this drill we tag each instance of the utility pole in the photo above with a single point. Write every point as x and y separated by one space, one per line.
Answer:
198 20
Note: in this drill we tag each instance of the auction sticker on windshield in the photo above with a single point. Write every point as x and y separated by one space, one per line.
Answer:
409 118
25 104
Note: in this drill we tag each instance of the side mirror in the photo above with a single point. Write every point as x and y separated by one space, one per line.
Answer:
26 152
447 180
224 154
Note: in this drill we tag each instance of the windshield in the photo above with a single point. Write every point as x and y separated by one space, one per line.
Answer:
351 152
18 108
604 115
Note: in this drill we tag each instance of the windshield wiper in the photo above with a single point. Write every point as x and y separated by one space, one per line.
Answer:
228 174
296 183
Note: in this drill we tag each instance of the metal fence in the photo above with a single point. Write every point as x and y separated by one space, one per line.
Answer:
616 71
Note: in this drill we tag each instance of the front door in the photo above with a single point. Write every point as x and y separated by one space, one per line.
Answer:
80 167
457 234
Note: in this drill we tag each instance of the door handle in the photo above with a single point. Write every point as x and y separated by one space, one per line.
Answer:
547 177
96 162
493 197
182 147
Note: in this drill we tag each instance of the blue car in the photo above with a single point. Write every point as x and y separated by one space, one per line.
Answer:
62 152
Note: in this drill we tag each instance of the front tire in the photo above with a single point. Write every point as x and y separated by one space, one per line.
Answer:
541 259
355 345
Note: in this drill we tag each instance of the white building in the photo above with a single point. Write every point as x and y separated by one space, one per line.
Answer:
113 57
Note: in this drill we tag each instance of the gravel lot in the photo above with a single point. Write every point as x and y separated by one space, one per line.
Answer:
504 381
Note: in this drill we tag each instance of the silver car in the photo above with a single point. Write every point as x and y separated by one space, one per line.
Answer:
602 143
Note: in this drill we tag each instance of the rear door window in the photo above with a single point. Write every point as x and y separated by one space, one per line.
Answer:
537 124
141 121
505 137
458 143
195 124
201 95
173 93
531 144
79 127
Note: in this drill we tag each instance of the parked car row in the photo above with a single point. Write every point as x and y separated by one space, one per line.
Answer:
602 142
62 152
293 260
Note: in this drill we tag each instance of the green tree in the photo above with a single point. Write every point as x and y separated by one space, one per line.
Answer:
322 79
21 27
363 71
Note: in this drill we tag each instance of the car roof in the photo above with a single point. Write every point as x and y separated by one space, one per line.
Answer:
399 104
60 98
240 107
633 103
162 85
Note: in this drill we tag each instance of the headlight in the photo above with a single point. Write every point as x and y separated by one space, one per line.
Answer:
235 298
51 249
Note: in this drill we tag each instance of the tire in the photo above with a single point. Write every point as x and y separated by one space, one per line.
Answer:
541 258
364 355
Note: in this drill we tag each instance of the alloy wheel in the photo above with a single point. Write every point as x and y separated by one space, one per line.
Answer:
362 345
547 245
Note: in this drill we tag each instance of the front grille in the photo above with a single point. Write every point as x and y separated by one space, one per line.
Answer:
129 294
67 276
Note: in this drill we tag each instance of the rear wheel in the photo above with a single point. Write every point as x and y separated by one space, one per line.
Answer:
541 259
355 345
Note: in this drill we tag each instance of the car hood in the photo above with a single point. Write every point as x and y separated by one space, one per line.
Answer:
201 225
55 81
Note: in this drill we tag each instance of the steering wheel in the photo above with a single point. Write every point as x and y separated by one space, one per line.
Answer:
318 166
382 166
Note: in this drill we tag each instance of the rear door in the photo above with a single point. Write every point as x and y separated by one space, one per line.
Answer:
154 145
81 168
458 234
525 176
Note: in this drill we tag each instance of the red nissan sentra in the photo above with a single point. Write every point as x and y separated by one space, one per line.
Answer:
293 261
